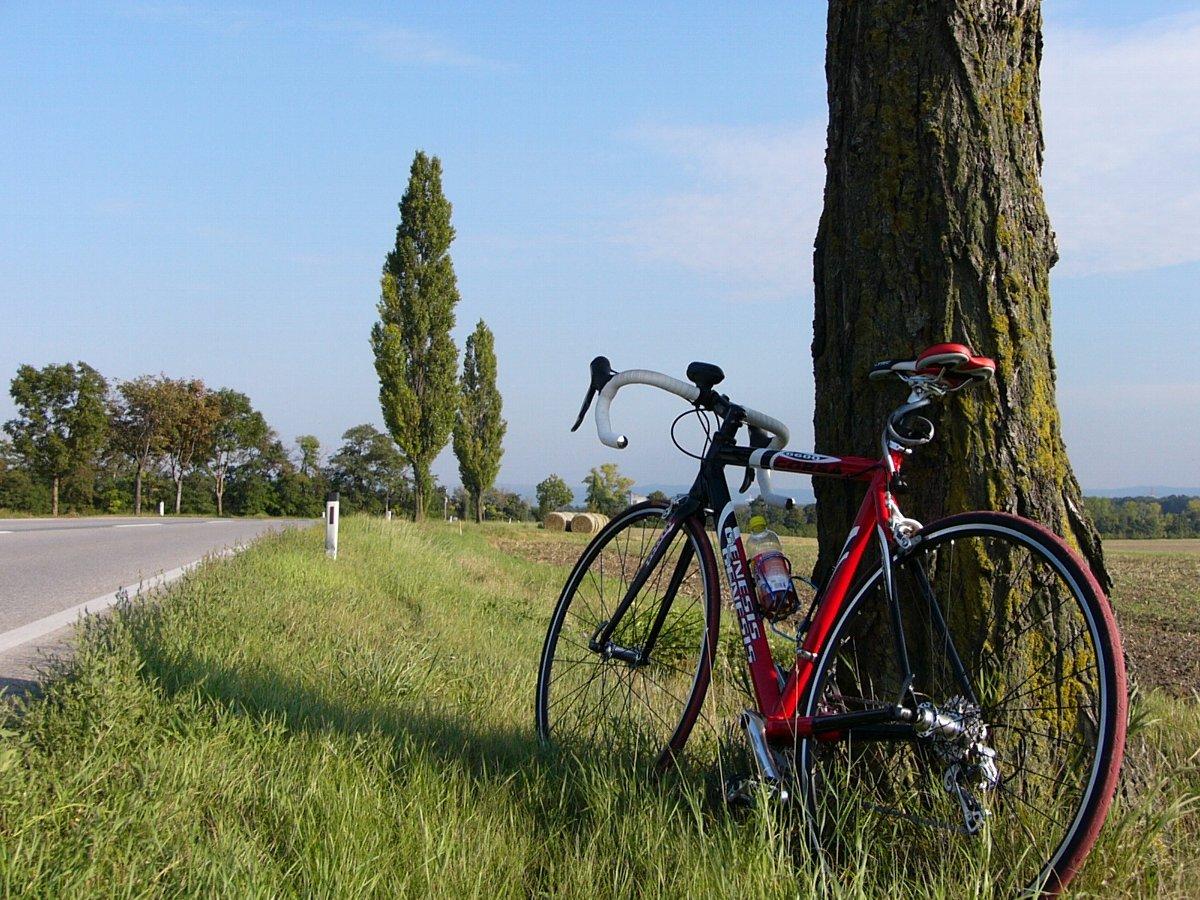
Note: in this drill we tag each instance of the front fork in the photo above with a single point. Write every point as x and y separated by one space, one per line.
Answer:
601 641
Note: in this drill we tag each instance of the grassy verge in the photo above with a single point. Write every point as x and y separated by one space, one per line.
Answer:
284 724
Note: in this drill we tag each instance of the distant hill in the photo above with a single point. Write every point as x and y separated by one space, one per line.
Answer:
1143 490
804 494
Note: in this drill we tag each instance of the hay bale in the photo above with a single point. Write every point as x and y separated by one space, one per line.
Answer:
557 521
588 523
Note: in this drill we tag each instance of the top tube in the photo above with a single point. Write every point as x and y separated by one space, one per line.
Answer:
854 468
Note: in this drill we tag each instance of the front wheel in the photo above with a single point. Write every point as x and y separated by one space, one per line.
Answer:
628 654
1016 684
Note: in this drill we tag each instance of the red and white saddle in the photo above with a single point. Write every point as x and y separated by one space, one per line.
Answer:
956 364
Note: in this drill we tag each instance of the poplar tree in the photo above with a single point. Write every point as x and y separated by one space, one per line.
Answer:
478 428
415 357
934 229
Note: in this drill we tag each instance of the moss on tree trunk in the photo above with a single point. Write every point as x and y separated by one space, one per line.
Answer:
935 229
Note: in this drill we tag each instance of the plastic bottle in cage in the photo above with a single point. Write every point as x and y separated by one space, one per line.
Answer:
772 570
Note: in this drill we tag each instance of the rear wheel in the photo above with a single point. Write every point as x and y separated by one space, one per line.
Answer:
639 691
1019 689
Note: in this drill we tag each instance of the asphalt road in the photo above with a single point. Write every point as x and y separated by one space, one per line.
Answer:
50 565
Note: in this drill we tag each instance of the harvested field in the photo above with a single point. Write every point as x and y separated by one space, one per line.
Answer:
1157 600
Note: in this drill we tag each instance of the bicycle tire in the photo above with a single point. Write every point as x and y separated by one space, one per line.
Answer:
653 685
1093 706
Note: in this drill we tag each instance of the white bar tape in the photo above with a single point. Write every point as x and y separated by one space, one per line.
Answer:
688 392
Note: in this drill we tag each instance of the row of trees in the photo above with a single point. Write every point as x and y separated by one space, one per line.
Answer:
91 446
71 426
1114 517
1145 517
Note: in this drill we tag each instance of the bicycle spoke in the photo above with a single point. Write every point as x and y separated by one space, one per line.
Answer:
618 704
1000 611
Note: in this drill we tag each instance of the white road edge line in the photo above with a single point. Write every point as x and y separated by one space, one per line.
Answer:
53 622
5 532
139 525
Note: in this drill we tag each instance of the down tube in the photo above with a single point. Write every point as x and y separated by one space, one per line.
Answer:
763 674
832 599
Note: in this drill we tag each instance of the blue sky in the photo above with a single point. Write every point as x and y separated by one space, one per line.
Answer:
210 189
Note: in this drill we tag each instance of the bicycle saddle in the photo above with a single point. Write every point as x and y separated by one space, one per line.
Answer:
957 363
704 375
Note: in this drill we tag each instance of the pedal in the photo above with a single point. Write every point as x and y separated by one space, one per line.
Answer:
741 791
744 791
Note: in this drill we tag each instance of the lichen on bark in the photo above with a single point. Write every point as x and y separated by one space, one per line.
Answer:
934 229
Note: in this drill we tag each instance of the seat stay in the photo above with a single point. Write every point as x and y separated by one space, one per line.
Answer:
939 618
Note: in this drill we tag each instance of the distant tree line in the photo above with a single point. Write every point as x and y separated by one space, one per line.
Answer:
81 444
498 506
1175 516
1114 517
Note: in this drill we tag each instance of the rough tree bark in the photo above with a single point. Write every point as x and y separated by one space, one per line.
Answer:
934 229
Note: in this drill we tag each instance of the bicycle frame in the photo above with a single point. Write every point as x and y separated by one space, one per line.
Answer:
778 702
778 697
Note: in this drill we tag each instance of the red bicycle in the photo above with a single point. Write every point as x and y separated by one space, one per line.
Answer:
962 694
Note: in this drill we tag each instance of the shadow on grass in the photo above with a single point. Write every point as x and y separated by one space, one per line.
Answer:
20 688
548 783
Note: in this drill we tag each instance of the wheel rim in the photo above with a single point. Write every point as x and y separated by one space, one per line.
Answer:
597 702
1038 686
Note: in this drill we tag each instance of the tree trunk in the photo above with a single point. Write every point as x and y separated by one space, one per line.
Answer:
137 491
479 507
422 482
178 494
220 495
54 495
934 229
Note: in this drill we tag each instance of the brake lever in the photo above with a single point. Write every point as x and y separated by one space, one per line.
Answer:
759 440
602 374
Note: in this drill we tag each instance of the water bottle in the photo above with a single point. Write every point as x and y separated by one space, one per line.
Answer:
772 571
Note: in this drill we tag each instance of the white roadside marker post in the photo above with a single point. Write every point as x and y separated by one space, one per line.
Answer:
331 525
162 508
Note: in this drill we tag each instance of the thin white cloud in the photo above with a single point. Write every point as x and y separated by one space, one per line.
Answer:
1122 172
394 44
1122 120
408 46
750 218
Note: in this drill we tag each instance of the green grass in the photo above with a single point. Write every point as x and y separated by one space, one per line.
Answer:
282 724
